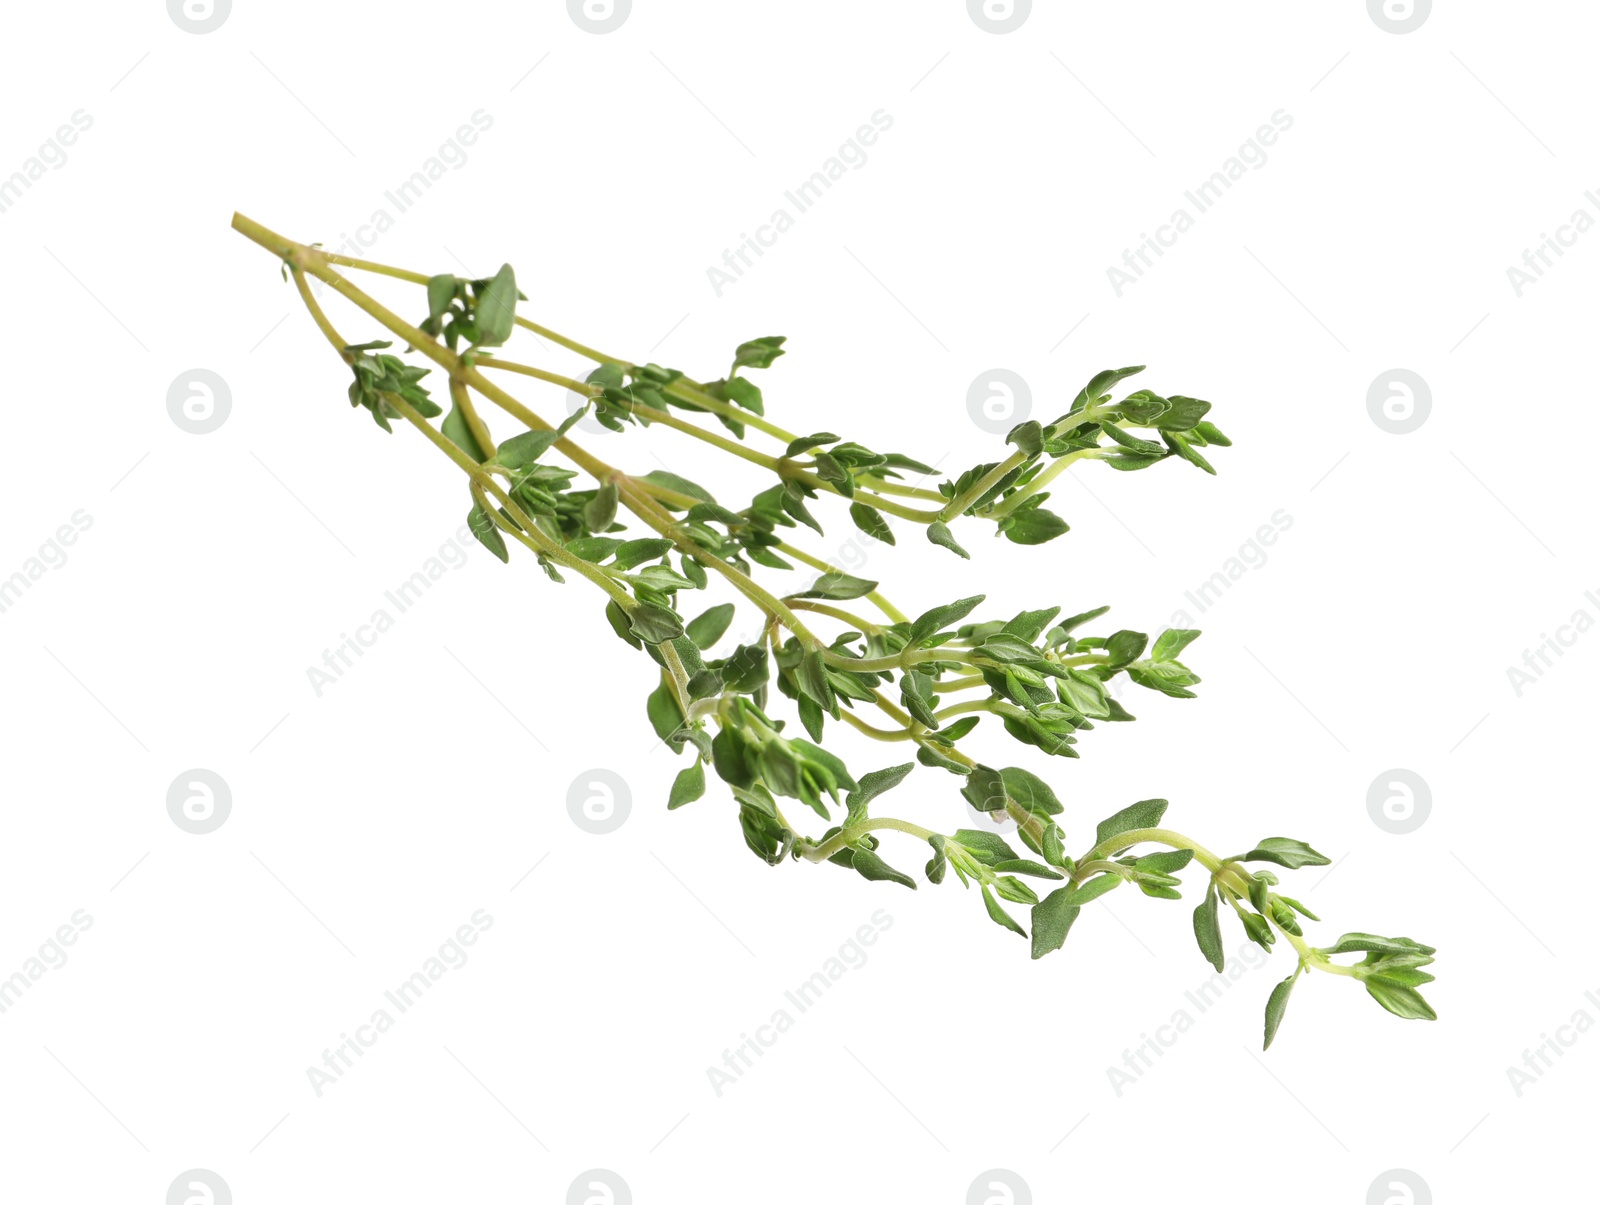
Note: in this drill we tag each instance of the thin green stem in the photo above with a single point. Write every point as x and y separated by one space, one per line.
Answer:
1001 509
843 616
901 660
366 265
469 412
877 734
958 505
903 491
849 836
875 597
664 524
947 713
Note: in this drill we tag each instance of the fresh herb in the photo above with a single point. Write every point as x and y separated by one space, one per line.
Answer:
931 677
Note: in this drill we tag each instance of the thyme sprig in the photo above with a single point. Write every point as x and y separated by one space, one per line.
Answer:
648 541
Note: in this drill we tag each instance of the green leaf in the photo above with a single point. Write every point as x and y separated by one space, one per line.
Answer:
1300 908
706 629
1135 445
1277 1004
1207 932
764 833
1353 942
1142 407
1026 866
832 471
1167 862
1146 813
895 460
1030 791
600 512
1028 436
1257 929
1099 384
745 393
662 707
1169 677
1172 642
870 786
593 549
1035 526
999 915
823 764
522 450
1007 649
710 512
457 432
985 789
871 521
681 485
1052 920
939 534
497 308
688 786
838 586
1284 851
811 676
951 733
1123 647
806 442
1405 1002
1160 891
483 527
441 292
1086 693
917 697
637 552
619 623
653 624
1095 888
759 353
870 866
1077 621
987 847
938 863
811 716
1015 890
1029 624
1185 449
1184 413
929 756
1399 976
936 620
1053 850
746 670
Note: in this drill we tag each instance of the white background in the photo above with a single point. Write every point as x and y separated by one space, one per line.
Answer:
369 822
